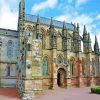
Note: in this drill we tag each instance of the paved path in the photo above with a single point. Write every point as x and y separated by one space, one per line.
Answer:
69 94
9 94
58 94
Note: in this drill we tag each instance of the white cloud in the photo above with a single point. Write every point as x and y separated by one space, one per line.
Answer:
80 2
98 17
8 14
61 18
82 19
43 5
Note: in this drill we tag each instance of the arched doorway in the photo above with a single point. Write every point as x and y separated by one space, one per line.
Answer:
61 77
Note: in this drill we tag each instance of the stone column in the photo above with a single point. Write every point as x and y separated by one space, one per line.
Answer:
54 84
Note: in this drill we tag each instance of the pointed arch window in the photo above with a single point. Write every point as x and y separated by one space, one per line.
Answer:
10 45
72 60
45 66
59 60
83 67
93 67
8 71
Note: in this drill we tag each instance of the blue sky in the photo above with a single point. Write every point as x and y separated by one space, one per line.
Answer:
84 12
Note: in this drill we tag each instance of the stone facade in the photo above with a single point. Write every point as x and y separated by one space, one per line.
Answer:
46 54
8 57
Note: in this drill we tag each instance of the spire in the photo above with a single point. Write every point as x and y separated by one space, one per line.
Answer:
78 27
22 8
22 4
38 33
21 15
64 25
96 39
89 39
89 43
96 46
71 22
74 27
23 1
64 30
51 23
85 34
84 31
38 19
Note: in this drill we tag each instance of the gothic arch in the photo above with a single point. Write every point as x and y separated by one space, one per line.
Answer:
72 59
43 30
72 65
61 75
44 33
93 67
29 28
60 59
83 66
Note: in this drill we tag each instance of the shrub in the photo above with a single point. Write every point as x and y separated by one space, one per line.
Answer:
95 90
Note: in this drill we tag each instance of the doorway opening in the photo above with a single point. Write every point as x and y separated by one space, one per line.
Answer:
61 77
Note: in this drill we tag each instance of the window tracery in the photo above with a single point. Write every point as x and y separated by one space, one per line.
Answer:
45 66
10 45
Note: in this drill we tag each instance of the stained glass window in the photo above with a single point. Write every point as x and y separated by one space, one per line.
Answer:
93 67
8 71
59 60
45 66
83 67
10 49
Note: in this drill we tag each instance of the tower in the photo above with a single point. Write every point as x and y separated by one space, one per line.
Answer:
24 69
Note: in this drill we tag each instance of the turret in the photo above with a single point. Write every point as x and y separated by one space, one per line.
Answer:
96 46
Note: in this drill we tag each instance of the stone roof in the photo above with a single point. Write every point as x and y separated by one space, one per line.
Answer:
8 32
43 20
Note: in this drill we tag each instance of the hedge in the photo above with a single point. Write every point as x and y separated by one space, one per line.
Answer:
95 90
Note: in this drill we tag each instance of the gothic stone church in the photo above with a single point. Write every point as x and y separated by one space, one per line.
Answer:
46 54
